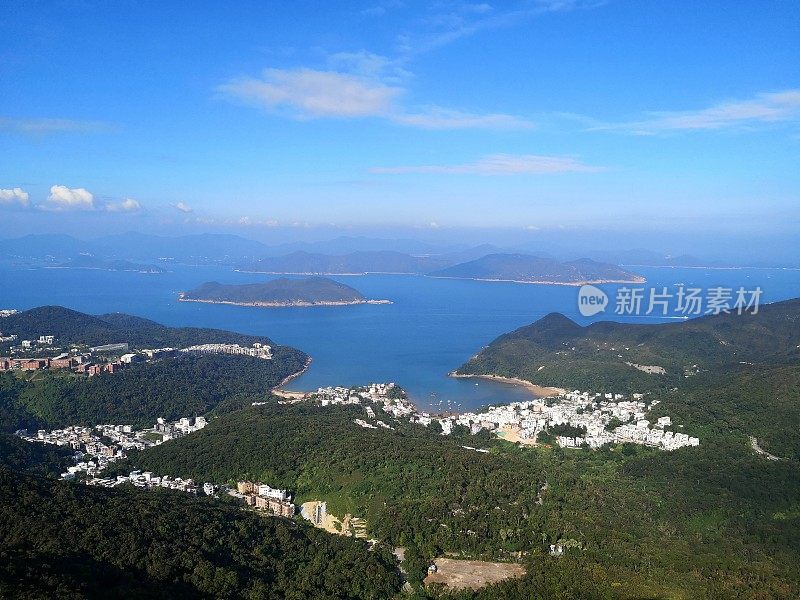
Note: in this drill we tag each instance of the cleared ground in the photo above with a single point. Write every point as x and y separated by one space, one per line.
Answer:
471 574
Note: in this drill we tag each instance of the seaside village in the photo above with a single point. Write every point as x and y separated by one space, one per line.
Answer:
96 448
572 420
594 419
33 355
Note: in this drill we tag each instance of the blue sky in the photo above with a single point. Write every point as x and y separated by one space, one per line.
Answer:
533 116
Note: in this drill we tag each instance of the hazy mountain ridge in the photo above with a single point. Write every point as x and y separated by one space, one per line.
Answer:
526 268
354 263
85 261
241 252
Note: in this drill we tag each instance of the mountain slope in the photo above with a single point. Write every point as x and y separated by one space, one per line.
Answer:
170 388
344 264
634 522
73 541
557 351
71 326
85 261
525 268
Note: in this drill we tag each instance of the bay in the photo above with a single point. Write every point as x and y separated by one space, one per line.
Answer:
431 327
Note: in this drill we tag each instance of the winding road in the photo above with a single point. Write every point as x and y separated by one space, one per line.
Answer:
761 451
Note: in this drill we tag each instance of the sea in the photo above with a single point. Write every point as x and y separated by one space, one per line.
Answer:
431 327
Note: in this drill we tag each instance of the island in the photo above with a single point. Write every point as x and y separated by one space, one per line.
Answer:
86 261
525 268
312 291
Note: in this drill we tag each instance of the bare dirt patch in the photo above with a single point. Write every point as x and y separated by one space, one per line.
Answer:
471 574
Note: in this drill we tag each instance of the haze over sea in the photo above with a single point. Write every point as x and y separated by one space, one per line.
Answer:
432 326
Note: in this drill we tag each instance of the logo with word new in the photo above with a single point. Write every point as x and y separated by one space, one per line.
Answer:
591 300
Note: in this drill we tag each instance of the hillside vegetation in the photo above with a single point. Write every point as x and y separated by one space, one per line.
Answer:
73 327
61 540
727 525
557 351
312 290
137 395
169 388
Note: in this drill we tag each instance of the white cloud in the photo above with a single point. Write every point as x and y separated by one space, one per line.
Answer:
309 93
380 9
440 118
183 207
760 110
63 198
51 126
127 205
13 196
453 22
368 64
249 222
501 164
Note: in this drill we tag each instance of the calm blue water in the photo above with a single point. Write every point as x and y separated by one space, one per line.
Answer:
432 327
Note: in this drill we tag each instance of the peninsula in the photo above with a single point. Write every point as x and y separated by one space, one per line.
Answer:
525 268
312 291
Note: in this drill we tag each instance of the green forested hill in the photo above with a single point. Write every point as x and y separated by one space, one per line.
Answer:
70 326
557 351
724 373
61 540
713 521
277 291
137 395
758 401
38 459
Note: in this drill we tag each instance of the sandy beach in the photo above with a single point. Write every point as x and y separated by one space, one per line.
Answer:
537 390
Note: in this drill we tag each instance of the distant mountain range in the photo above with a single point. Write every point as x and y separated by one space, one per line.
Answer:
362 254
492 267
85 261
355 263
314 291
524 268
187 249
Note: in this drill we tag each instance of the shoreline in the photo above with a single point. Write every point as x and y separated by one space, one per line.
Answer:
325 274
537 282
293 304
144 271
539 391
545 282
292 377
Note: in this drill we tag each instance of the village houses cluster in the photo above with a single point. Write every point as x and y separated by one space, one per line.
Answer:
601 418
605 419
388 396
264 497
107 358
99 446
